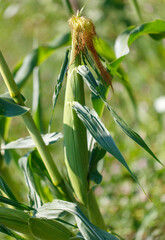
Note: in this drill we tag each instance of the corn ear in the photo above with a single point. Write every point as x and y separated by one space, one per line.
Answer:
45 229
75 139
16 220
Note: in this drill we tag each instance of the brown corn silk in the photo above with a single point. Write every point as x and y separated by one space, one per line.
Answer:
83 37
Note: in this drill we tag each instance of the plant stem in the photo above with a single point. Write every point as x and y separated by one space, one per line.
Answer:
137 9
67 4
94 211
31 127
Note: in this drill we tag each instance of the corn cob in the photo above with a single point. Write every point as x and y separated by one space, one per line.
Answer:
75 139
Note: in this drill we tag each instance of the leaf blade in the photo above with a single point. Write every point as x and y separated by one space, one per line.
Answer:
11 109
92 84
28 142
87 229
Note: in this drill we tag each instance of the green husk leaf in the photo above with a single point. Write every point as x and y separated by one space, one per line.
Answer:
28 142
34 197
11 109
96 101
91 82
75 140
5 188
104 49
87 229
24 69
59 84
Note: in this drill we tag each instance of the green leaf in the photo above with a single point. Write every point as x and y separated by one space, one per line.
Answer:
4 127
96 101
36 105
28 142
17 220
5 188
104 49
125 39
96 128
24 69
34 196
96 155
45 229
123 78
87 229
59 84
10 233
131 133
11 109
15 204
37 166
91 82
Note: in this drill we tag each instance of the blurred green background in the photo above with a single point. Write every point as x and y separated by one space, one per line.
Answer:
126 209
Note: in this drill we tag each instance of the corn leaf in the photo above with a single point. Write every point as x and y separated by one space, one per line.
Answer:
36 103
11 109
91 82
34 197
45 229
131 133
17 220
37 166
125 39
100 133
10 233
15 204
3 128
96 155
87 229
28 142
24 69
59 85
98 104
5 188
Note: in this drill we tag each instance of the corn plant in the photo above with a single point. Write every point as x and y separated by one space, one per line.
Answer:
62 204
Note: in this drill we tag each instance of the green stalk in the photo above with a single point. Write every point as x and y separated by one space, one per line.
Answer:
31 127
68 6
137 9
94 211
75 138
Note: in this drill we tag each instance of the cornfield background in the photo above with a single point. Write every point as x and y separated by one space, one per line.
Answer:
27 24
